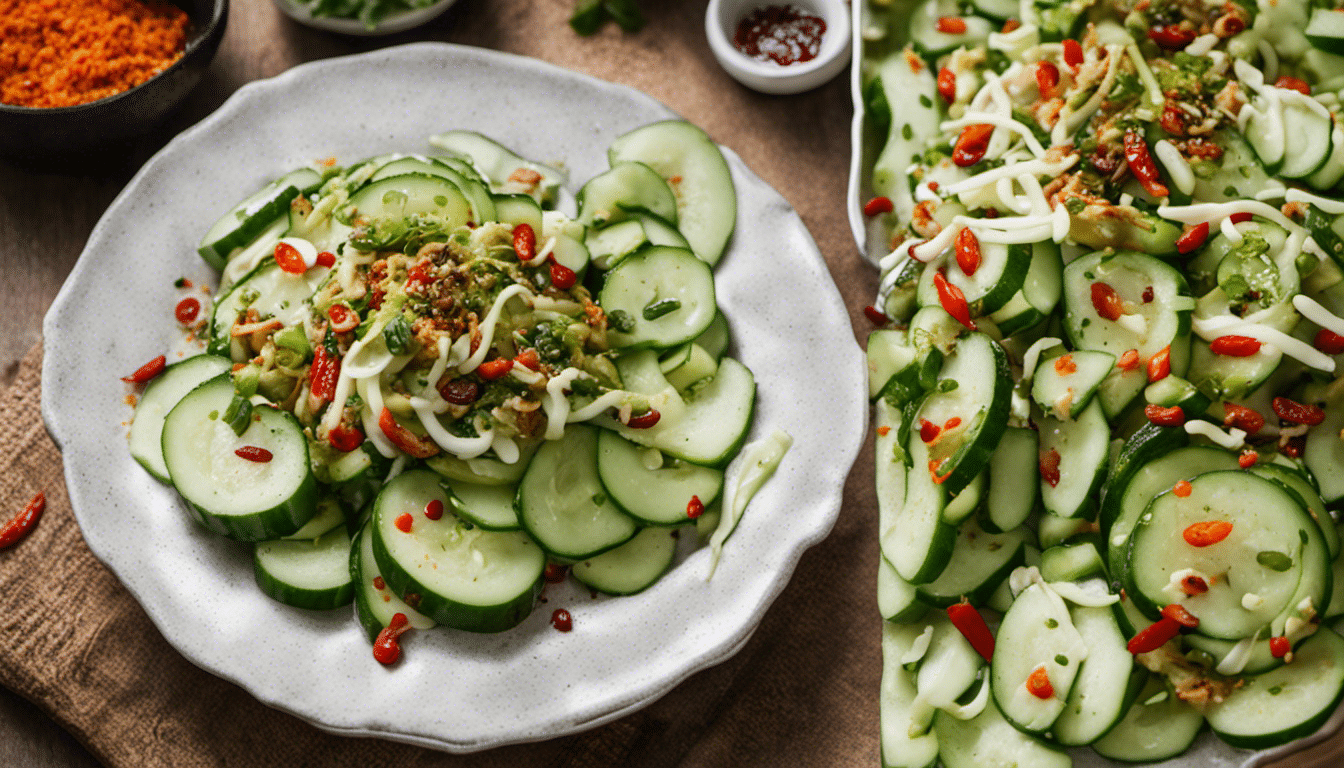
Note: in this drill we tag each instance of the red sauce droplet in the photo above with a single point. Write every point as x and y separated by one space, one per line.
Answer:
695 507
561 620
378 583
555 573
404 522
783 34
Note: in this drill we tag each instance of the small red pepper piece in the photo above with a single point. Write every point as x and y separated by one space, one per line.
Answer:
187 310
934 466
1159 365
1171 37
1279 646
561 620
1329 342
1129 360
23 523
387 648
289 259
972 144
524 242
323 375
1072 53
1107 302
1293 84
1164 417
928 431
147 371
1240 217
947 88
878 206
1047 78
1177 612
1194 585
1206 533
404 522
644 420
254 453
1155 636
952 423
494 369
563 277
1048 465
1064 365
875 315
408 442
1182 488
343 319
967 250
345 439
555 573
953 300
1038 683
326 259
528 358
1142 166
1234 346
972 626
951 25
1242 418
1193 238
434 509
1297 413
695 508
1248 459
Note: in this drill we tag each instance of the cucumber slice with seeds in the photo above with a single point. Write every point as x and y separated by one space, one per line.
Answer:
650 488
246 220
375 605
628 186
489 506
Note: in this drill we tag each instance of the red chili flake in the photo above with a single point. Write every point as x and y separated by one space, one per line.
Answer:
1047 78
524 242
1107 302
345 439
1294 447
952 423
1248 459
387 648
434 509
884 430
1182 489
326 259
1048 464
991 213
1164 417
967 249
1129 360
878 206
1242 418
972 626
695 508
1065 366
461 391
343 319
378 583
187 310
24 522
494 369
563 277
1147 295
528 358
972 144
1142 166
1177 613
1072 53
555 573
644 420
1171 37
408 442
1010 25
1038 683
420 275
1154 637
1329 342
561 620
1293 84
1206 533
1239 218
1173 118
1279 646
953 300
947 88
254 453
1297 413
951 25
1194 585
928 431
323 375
404 522
147 371
289 259
1234 346
875 315
934 466
1159 365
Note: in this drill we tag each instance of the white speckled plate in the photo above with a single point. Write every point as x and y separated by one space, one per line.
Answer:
453 691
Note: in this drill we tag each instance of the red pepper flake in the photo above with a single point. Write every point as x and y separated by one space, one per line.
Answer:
934 466
555 573
1164 417
24 522
644 420
884 430
972 626
875 315
928 431
951 25
967 250
323 375
408 442
1193 238
255 454
494 369
326 259
1038 683
1279 647
1242 418
1141 164
378 583
1011 25
1234 346
1329 342
387 648
404 522
345 439
1064 365
779 33
1294 447
434 509
1194 585
563 277
289 259
1129 360
343 319
1154 637
952 423
561 620
524 242
878 205
147 371
1206 533
1048 464
1293 84
972 144
947 88
695 508
953 300
1247 459
1177 613
1239 218
1147 295
1159 365
1107 302
1072 53
1183 489
1171 37
1047 78
187 310
529 359
1297 413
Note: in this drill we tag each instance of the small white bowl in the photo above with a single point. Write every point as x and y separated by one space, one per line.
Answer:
721 21
396 22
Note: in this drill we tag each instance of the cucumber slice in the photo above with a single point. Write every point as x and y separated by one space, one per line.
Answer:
647 486
893 365
272 292
978 400
1145 326
964 504
914 535
1146 444
1036 633
1307 127
979 563
306 574
1013 479
614 242
1105 681
1325 30
489 506
375 605
1063 385
460 575
660 231
482 206
242 499
1286 703
1323 454
1261 659
1071 562
948 669
329 517
518 209
716 338
896 597
561 501
164 392
485 470
1083 447
902 745
412 194
627 186
665 294
925 35
631 567
1001 274
989 739
913 125
1156 726
694 168
1174 391
1297 482
258 211
506 170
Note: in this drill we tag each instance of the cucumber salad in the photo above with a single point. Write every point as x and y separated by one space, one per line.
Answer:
1106 379
428 391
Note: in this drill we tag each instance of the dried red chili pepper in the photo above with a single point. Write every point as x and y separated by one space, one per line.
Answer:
1072 53
972 144
1293 84
1193 238
947 88
408 442
24 522
1240 217
1194 585
953 300
1171 37
1206 533
951 25
1279 646
1155 636
1142 166
187 310
1329 342
695 508
254 453
1107 302
967 249
323 375
555 573
1065 366
928 431
1038 684
1243 418
1177 612
875 315
972 626
326 259
387 648
434 509
1048 465
561 620
1234 346
563 277
147 371
1129 360
342 318
1159 365
1164 417
1248 459
494 369
1047 79
878 206
345 439
524 242
644 420
1297 413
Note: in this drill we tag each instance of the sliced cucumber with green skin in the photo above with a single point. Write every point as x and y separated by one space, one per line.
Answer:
1151 326
896 597
1053 530
1105 683
1307 127
244 260
914 535
614 242
979 400
306 574
1323 454
1252 574
1071 561
485 470
1297 482
397 197
980 562
655 495
561 501
667 295
1013 479
660 231
329 517
1002 271
241 499
375 605
633 566
915 89
1063 385
501 165
1261 658
482 206
949 668
1041 291
260 210
924 34
1176 392
1035 633
893 365
1083 446
489 506
989 739
460 575
518 209
716 338
1325 30
271 291
627 186
164 392
896 704
696 171
1286 703
1148 442
964 504
1156 726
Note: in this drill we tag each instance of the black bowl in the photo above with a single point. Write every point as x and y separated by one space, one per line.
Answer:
37 135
